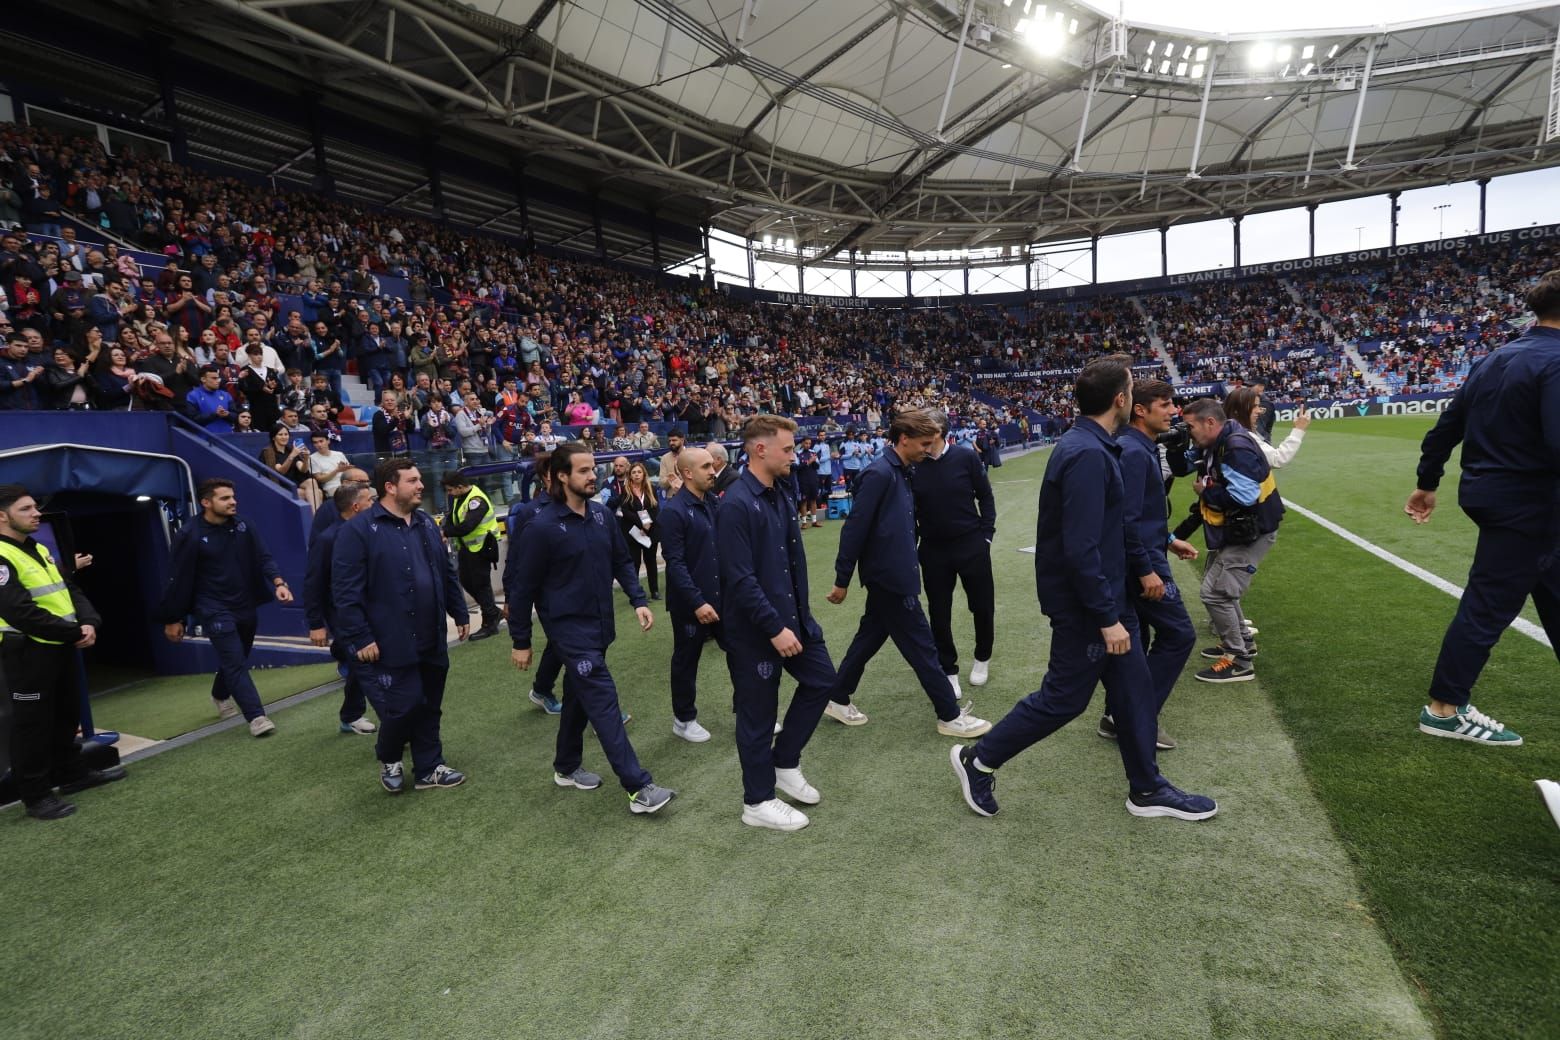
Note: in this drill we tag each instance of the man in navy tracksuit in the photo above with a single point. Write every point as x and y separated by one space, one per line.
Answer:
520 516
956 519
220 572
571 552
1081 542
880 533
692 582
393 585
328 517
347 501
1155 596
1507 416
768 626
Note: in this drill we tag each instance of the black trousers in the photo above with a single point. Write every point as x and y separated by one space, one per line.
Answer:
943 565
646 555
45 711
688 639
475 571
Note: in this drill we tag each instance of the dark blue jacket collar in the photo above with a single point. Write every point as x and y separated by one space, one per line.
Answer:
1097 431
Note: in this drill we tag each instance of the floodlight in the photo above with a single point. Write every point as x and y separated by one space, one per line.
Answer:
1197 71
1262 54
1148 66
1169 50
1202 54
1308 52
1164 67
1151 45
1180 70
769 240
1022 27
1308 68
1072 27
1283 52
1333 53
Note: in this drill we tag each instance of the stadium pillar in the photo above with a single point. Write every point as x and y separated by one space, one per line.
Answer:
1311 215
600 240
704 232
162 47
1484 184
1094 259
430 143
1164 250
801 277
1235 224
522 194
966 279
853 272
752 274
1392 200
324 183
907 280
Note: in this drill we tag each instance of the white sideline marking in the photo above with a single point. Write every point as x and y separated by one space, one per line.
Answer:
1521 624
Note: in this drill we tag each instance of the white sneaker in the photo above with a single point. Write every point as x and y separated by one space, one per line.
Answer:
953 680
1550 792
360 726
690 731
966 725
778 727
849 714
1251 630
795 786
227 709
774 814
260 726
979 673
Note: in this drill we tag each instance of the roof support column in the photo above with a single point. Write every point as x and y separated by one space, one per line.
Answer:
752 273
953 74
1164 250
163 48
1083 124
801 273
1202 116
966 279
1235 224
323 183
853 273
1094 259
1484 184
709 261
1359 105
1392 201
1310 212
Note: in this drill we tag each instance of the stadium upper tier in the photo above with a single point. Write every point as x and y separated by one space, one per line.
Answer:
585 343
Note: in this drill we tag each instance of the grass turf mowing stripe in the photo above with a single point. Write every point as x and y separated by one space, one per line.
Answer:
1521 624
244 888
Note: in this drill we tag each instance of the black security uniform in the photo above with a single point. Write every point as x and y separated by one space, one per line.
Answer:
956 518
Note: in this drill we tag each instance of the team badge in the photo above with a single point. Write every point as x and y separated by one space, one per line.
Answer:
1172 593
1095 651
5 574
598 518
691 629
242 527
766 669
912 602
385 680
583 667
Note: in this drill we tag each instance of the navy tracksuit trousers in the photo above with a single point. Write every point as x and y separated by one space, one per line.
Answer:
688 639
409 700
1172 641
1510 563
547 670
755 685
353 704
590 696
1078 663
891 616
232 637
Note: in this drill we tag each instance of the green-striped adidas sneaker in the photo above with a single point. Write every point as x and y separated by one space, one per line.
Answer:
1468 724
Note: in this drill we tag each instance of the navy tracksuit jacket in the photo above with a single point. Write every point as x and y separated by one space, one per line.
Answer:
687 525
1147 514
520 515
320 612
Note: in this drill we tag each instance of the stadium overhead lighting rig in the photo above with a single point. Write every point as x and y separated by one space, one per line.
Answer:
1045 29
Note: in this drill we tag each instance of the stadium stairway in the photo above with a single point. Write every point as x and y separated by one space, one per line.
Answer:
1372 380
1158 344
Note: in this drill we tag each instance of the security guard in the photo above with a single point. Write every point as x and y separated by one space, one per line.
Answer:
768 626
692 582
393 586
1081 543
572 552
43 619
520 516
473 525
347 501
220 571
880 533
1507 417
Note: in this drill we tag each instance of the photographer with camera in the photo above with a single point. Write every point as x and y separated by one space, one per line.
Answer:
1241 510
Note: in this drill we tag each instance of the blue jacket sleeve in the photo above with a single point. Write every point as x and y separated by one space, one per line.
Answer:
1134 479
349 586
745 597
1549 414
522 578
1083 517
1241 472
985 501
179 597
859 525
674 535
264 562
624 568
1439 441
316 582
454 595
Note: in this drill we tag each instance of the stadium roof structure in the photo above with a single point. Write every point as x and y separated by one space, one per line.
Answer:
893 125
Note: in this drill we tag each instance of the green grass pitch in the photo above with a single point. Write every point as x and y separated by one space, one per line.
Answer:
1362 881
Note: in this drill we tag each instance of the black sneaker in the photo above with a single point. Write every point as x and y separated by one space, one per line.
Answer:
442 776
1227 669
1213 653
50 807
1171 801
1107 727
980 787
94 778
391 777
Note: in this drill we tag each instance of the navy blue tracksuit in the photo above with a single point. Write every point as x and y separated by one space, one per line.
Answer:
220 573
393 585
687 525
566 568
520 515
880 534
956 519
1147 512
320 612
1081 549
763 587
1507 416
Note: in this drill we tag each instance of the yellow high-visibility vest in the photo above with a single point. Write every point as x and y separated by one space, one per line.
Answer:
43 583
489 526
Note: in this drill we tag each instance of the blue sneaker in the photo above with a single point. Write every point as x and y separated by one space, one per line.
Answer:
980 787
1171 801
547 702
391 777
441 777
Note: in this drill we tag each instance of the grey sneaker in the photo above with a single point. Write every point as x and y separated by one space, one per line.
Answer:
1162 740
585 781
650 798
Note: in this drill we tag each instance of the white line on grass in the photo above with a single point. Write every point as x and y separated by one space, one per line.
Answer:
1522 625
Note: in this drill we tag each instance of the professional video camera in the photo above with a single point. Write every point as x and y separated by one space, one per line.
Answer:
1177 443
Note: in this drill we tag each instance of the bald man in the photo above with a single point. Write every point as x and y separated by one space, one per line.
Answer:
329 516
725 474
692 583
